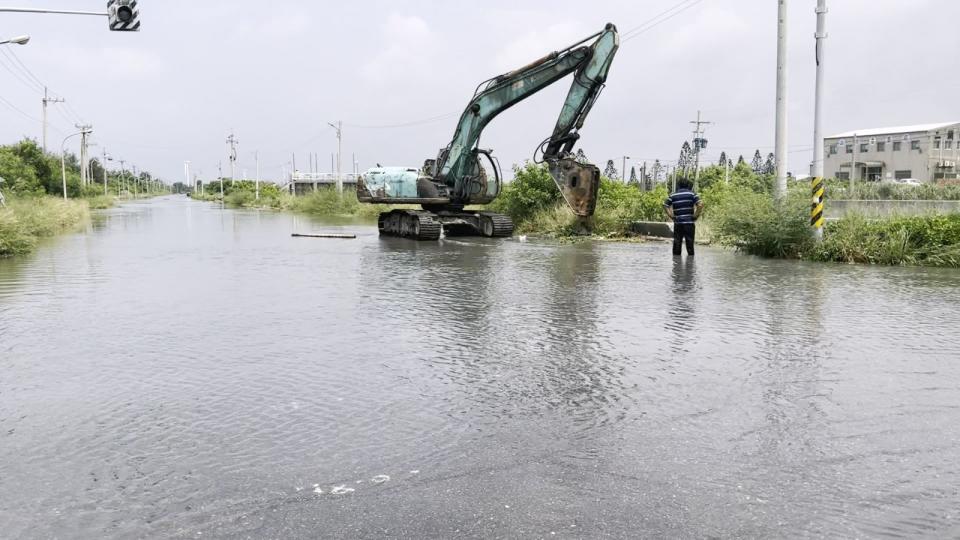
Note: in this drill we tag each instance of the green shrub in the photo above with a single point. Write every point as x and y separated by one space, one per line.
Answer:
758 225
532 190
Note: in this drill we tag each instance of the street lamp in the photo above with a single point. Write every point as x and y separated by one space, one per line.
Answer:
63 160
623 168
19 40
106 158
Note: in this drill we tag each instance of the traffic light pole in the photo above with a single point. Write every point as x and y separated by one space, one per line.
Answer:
55 11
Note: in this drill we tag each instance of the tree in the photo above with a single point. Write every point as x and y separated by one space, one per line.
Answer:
657 171
611 171
740 161
723 159
633 175
770 166
757 163
581 156
686 156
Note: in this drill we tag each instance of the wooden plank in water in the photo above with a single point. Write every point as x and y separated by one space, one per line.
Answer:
325 235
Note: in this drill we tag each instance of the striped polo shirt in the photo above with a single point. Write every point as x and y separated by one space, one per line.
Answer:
683 203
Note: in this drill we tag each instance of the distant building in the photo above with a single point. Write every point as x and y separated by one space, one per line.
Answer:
927 152
301 183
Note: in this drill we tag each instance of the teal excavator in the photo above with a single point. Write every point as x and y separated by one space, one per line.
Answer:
457 177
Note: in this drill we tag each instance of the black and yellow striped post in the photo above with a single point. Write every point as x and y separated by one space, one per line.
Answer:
816 206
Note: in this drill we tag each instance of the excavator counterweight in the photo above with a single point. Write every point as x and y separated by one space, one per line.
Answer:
457 177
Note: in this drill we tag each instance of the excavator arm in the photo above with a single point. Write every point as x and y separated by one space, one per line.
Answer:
458 167
444 186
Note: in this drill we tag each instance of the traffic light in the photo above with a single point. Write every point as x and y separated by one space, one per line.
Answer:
124 15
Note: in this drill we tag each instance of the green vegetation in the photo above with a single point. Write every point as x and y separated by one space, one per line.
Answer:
25 220
326 201
741 213
33 186
536 206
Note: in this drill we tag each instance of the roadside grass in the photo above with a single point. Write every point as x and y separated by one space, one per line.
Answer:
23 222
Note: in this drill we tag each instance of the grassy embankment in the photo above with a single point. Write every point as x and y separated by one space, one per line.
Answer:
24 221
325 201
741 214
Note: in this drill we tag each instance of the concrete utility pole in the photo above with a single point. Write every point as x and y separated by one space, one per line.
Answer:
232 141
186 174
220 174
256 157
105 159
123 176
817 172
45 101
339 128
85 130
623 169
780 188
853 163
698 143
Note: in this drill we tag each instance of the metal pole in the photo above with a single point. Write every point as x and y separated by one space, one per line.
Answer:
104 172
339 154
186 173
623 169
853 163
816 218
56 11
256 156
780 189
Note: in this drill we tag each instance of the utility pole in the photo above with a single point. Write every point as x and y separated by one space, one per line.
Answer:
123 174
220 173
232 141
780 188
85 130
853 163
816 206
105 158
47 100
256 157
698 143
186 174
623 168
339 128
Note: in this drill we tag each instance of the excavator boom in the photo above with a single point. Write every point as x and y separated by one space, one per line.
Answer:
457 178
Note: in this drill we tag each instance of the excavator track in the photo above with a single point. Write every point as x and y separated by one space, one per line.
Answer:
495 225
414 224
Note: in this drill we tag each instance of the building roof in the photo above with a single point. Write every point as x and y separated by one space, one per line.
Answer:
891 130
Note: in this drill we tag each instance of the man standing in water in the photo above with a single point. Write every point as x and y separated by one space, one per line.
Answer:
683 207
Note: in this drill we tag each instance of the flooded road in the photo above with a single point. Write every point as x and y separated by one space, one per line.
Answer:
186 371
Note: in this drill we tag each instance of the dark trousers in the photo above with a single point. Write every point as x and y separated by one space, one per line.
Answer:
681 232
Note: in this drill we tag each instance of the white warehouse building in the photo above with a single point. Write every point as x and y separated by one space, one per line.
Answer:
926 152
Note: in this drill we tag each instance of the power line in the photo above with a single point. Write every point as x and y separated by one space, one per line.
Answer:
17 109
407 124
19 76
23 66
659 19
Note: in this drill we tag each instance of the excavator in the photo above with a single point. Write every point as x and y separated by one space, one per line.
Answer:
444 186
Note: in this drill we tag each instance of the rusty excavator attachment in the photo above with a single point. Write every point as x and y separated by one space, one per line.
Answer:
578 182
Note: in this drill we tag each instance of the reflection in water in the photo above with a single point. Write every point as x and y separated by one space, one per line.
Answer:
184 369
681 311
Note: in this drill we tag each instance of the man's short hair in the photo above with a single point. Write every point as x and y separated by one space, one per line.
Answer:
684 183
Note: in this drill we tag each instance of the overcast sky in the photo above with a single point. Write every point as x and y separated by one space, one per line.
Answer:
276 72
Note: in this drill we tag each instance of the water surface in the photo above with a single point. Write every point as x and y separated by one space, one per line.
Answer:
183 370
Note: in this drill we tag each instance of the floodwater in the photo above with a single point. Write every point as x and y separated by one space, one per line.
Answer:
183 371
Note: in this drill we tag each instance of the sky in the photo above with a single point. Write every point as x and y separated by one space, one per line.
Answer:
398 73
